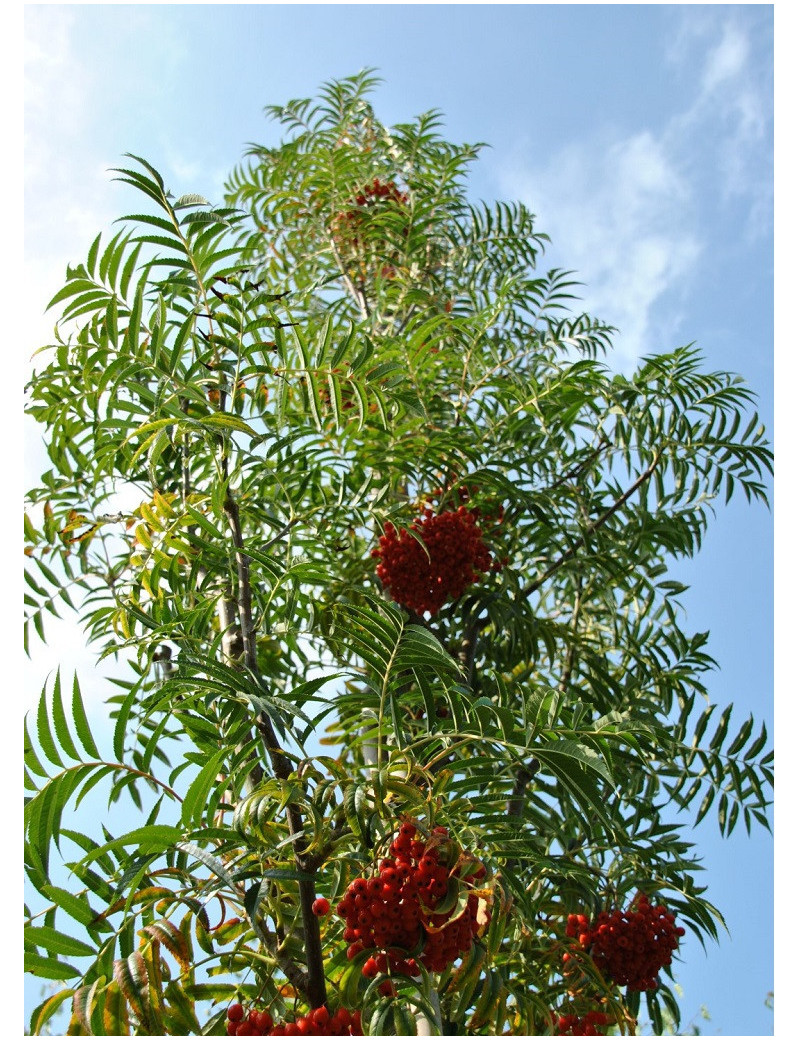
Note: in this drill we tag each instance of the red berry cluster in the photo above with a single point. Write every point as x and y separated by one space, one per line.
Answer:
319 1022
488 517
629 946
380 190
394 912
456 554
346 224
254 1023
583 1025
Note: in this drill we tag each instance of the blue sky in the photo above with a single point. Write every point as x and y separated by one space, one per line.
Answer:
641 135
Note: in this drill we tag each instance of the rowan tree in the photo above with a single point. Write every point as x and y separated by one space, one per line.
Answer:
346 481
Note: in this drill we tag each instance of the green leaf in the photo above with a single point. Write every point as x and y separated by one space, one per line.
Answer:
120 727
216 866
81 722
115 1012
45 1011
131 976
228 422
206 218
31 761
48 745
705 805
60 722
571 772
49 967
350 981
155 837
285 874
157 446
722 729
741 737
57 942
195 799
173 939
73 287
76 906
147 218
91 259
180 1013
580 752
190 200
757 744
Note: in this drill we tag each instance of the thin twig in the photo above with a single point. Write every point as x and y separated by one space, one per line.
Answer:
573 549
581 466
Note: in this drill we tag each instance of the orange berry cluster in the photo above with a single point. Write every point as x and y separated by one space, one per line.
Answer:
631 946
423 580
394 912
319 1022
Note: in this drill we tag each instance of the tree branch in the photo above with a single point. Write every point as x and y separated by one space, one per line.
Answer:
569 659
581 466
573 549
357 292
299 979
527 772
516 800
232 644
466 651
281 764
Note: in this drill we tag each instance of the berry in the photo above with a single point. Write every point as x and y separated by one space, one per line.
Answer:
235 1013
321 907
320 1017
262 1020
370 969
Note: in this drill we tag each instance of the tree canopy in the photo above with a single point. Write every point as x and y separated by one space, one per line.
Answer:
343 476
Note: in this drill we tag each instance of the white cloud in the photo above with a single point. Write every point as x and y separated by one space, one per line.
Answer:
725 61
193 175
733 111
624 212
80 116
54 80
615 211
65 202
